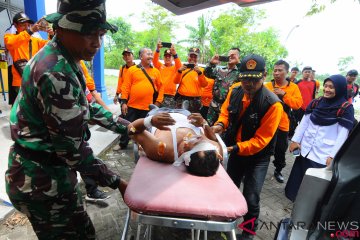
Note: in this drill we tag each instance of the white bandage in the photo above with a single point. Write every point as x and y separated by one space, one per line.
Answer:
147 122
185 157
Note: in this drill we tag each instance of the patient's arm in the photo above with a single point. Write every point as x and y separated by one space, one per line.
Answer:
198 121
154 147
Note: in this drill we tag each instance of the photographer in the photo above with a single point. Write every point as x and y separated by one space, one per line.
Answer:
191 79
22 44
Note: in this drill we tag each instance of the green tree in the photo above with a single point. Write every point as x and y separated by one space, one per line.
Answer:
236 28
199 36
318 7
344 63
161 23
115 43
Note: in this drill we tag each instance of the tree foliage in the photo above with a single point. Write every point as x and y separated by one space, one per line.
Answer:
319 6
344 63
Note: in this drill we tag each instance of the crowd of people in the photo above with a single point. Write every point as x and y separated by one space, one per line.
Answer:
53 99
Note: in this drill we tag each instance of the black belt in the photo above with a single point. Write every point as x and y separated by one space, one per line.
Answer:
41 157
188 98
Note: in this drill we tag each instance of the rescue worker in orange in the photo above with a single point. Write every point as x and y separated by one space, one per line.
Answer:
250 115
167 70
90 84
291 98
22 45
206 97
191 79
128 57
142 86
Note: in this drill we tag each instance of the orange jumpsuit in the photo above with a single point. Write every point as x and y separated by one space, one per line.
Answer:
167 73
292 98
18 46
137 89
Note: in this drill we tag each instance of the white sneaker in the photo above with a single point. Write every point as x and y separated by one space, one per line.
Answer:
116 148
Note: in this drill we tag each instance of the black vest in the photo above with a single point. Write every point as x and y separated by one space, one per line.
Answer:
250 120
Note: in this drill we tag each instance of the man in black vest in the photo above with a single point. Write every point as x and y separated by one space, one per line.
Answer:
250 115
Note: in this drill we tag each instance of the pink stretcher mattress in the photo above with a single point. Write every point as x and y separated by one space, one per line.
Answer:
162 189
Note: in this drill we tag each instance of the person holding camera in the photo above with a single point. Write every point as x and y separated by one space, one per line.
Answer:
321 132
224 77
191 80
22 45
167 71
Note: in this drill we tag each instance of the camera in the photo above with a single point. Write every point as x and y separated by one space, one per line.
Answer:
190 65
166 44
296 152
223 58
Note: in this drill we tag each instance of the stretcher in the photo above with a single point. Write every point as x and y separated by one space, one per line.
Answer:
160 194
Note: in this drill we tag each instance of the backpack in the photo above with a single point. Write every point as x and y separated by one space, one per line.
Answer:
339 112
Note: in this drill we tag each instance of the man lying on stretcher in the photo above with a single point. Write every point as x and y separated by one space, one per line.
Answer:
176 136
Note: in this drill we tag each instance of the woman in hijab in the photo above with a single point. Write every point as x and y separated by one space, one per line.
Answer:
321 132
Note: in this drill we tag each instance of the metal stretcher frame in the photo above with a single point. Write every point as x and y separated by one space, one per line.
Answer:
184 222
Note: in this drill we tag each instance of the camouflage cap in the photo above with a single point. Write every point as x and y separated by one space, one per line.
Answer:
83 16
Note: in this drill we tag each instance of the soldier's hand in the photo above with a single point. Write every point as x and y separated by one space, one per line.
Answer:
215 59
124 109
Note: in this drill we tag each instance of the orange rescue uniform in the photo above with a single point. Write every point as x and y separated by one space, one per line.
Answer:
89 81
167 73
207 93
263 135
122 72
18 46
190 83
137 89
292 98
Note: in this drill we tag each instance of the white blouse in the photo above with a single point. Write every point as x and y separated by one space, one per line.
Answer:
319 142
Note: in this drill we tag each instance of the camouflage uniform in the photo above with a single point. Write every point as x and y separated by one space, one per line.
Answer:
224 78
168 102
49 124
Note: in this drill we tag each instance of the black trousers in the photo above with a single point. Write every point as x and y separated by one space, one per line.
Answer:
280 150
252 173
12 91
132 115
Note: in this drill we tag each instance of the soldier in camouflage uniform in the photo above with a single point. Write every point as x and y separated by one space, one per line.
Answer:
224 77
49 124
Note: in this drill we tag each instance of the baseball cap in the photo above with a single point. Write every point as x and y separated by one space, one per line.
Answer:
252 66
167 52
83 16
195 51
127 50
352 72
22 18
